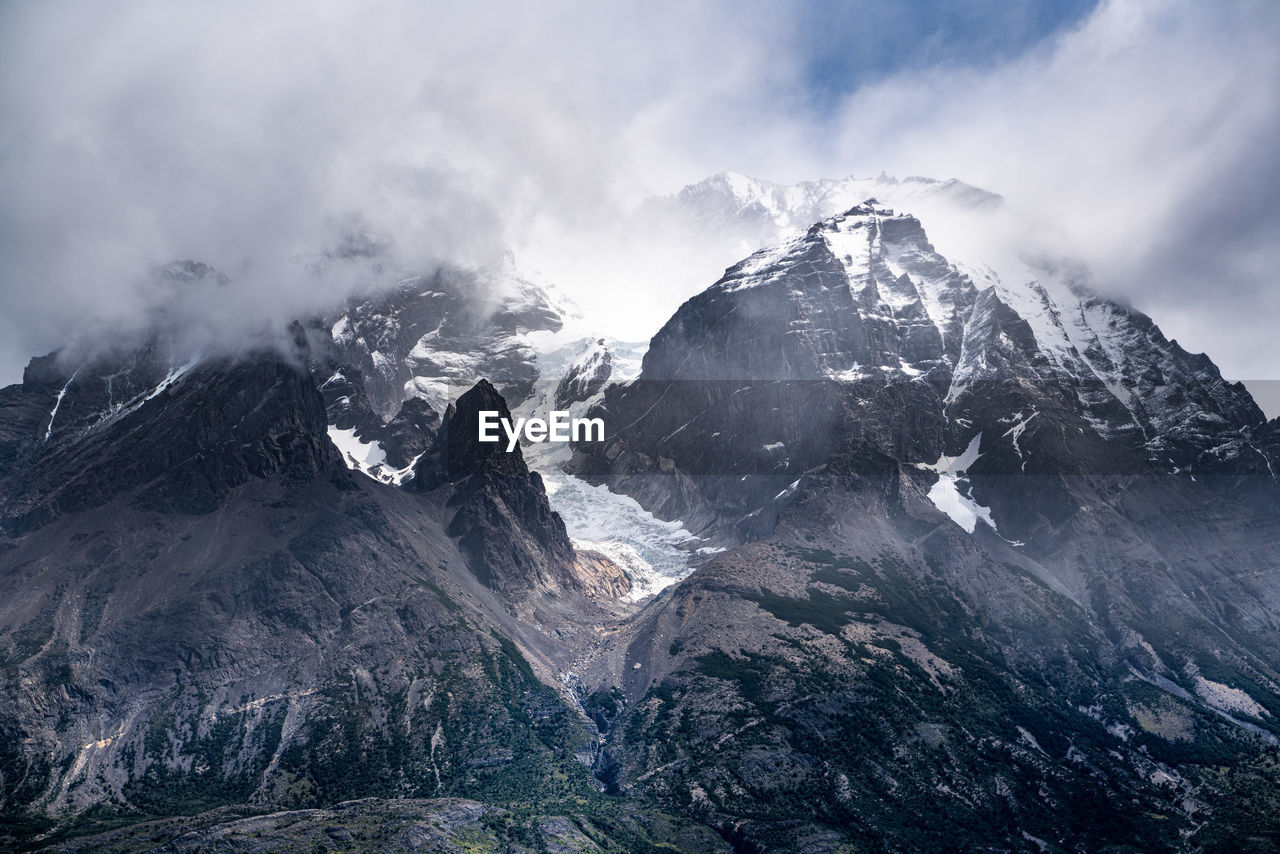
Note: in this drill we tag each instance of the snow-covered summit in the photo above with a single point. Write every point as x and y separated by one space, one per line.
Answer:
865 293
746 213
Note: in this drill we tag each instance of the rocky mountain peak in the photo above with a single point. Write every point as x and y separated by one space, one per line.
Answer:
514 542
458 453
586 375
176 438
861 303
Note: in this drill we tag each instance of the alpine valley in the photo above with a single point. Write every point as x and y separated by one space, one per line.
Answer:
888 547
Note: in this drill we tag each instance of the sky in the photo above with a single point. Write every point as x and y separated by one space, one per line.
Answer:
1138 136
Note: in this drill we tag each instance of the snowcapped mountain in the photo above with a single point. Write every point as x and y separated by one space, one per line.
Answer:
973 511
888 546
432 332
389 365
878 304
863 304
586 375
731 215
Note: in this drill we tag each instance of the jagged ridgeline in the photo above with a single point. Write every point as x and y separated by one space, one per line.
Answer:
204 606
1007 573
986 563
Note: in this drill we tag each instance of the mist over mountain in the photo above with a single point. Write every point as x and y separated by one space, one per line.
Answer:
885 528
934 508
1116 132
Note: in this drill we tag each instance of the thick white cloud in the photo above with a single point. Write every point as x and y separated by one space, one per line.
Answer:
252 135
1145 143
249 136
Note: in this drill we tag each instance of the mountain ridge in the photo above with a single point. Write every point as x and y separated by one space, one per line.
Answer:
1012 500
982 555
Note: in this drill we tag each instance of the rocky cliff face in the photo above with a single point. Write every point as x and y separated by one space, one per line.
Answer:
989 522
502 520
999 573
201 605
173 438
868 676
858 336
586 375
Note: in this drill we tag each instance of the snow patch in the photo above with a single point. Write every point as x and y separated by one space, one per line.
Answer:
1014 433
57 403
849 375
368 457
355 453
790 489
946 494
172 377
851 244
761 260
433 390
653 553
909 369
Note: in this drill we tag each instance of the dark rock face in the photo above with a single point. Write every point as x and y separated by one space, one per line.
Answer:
403 439
199 433
858 338
841 306
200 605
1101 619
515 543
410 432
25 412
865 676
301 646
458 452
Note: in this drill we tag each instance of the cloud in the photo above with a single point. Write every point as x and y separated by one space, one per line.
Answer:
248 135
1146 142
256 136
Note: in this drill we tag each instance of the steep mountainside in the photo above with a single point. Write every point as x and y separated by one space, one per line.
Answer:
200 606
390 363
988 564
859 332
1008 561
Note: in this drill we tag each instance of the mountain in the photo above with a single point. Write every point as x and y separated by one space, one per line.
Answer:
586 375
730 215
884 549
1003 557
503 521
837 334
389 363
202 607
